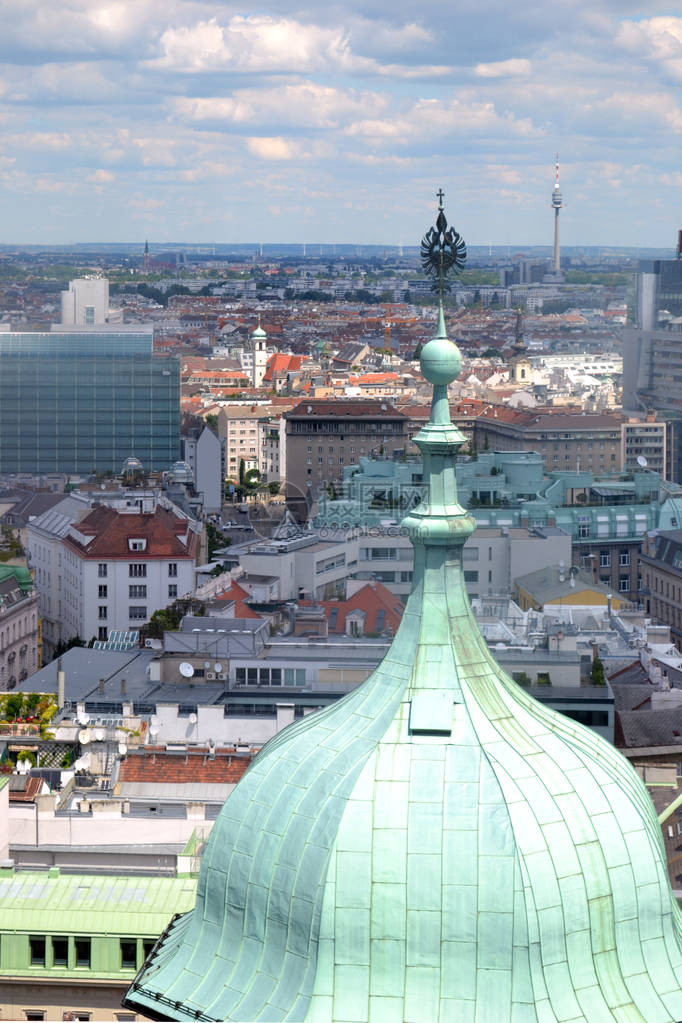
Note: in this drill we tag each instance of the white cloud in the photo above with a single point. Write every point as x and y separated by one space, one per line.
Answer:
277 148
517 67
256 43
659 39
102 177
304 104
434 118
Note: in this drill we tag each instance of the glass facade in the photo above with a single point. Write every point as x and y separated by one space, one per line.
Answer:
85 402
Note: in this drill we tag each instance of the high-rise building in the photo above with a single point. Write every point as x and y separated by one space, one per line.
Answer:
85 303
652 352
85 401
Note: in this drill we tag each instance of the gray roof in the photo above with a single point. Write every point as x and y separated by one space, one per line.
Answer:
648 728
84 667
631 697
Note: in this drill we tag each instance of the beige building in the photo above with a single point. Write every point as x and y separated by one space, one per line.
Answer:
241 428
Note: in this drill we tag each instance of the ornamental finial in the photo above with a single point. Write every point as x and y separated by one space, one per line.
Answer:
443 251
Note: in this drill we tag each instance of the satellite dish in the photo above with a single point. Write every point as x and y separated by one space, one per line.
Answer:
99 734
122 748
217 667
154 720
84 737
207 664
186 669
642 462
192 719
84 718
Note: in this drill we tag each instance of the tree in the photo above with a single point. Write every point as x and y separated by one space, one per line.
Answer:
212 420
597 672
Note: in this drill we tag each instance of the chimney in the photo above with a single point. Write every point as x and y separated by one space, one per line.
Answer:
100 687
61 685
123 687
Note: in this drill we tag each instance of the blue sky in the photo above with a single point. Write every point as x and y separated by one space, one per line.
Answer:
203 121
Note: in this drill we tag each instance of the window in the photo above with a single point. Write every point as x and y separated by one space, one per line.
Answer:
172 591
34 1014
147 947
381 619
102 570
36 944
172 569
102 612
137 545
102 633
82 952
137 592
471 577
624 583
128 953
137 570
137 613
60 952
624 558
102 592
604 559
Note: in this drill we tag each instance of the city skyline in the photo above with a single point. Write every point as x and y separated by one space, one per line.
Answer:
197 123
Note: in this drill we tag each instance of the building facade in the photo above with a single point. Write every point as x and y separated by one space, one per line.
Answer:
565 442
660 563
118 568
206 454
85 401
85 303
18 626
323 437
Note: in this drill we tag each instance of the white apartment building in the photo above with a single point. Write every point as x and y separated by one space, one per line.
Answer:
643 445
273 451
240 427
119 567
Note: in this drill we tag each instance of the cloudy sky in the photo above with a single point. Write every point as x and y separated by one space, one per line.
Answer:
203 121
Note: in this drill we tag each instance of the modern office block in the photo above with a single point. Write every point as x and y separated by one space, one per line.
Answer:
80 402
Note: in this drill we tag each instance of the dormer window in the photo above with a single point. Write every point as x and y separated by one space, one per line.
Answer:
137 545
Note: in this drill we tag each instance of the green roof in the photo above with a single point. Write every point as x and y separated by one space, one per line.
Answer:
89 904
437 847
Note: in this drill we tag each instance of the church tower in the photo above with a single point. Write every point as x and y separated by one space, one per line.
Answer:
519 365
436 847
259 348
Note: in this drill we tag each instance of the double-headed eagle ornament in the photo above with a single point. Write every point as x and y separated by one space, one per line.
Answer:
443 251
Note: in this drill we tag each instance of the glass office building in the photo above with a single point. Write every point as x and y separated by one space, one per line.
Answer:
79 402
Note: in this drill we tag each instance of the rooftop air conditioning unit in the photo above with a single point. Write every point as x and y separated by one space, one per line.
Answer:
149 642
210 675
222 676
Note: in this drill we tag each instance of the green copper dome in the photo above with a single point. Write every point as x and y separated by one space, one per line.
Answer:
437 847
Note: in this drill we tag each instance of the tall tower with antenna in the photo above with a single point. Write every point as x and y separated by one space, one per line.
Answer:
146 257
557 203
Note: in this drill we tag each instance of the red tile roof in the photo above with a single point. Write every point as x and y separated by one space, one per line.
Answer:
237 594
281 363
371 599
157 765
105 534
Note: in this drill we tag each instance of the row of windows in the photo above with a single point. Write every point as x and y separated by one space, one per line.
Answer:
136 570
270 676
63 952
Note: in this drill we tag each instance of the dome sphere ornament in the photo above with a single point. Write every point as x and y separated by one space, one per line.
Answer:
440 361
443 251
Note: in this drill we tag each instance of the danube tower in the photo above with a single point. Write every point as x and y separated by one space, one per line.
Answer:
557 203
